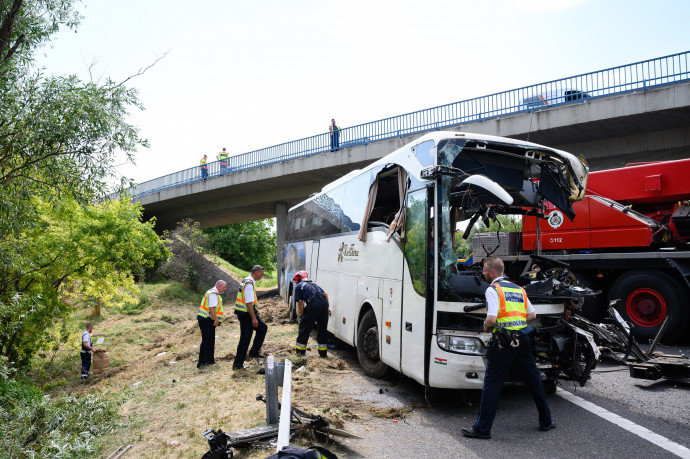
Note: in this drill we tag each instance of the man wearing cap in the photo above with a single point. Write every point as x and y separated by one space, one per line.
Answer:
248 315
204 168
335 136
312 307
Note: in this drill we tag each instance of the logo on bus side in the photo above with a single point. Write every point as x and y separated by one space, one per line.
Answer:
347 253
555 219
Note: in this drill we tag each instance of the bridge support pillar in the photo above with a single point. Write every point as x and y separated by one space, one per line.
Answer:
281 220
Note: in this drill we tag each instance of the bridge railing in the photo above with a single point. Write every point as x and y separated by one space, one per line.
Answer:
577 89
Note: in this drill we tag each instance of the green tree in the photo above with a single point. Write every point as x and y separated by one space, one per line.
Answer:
59 137
245 244
75 251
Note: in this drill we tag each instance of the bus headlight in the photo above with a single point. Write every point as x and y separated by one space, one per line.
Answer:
461 344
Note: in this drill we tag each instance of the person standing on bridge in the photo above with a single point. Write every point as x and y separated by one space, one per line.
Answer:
248 315
223 161
204 168
507 311
210 316
335 136
312 307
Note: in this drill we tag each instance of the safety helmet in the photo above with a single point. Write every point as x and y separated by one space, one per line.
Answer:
300 275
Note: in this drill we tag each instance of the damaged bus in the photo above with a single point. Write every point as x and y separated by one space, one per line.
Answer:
381 242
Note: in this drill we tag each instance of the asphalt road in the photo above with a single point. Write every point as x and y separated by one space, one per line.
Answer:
614 415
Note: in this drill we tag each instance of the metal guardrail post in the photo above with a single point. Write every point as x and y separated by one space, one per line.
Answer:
274 374
285 408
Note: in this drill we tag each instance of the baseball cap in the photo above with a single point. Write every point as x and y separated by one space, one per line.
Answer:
257 268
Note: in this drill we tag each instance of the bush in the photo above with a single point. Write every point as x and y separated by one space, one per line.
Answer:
34 425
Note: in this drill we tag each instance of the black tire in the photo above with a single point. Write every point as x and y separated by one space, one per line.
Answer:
368 351
292 308
593 309
646 298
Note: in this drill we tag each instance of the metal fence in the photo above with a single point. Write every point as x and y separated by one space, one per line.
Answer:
577 89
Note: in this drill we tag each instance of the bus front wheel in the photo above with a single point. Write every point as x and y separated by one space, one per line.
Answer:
368 347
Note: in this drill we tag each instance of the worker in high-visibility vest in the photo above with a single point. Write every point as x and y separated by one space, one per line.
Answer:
507 311
204 168
210 316
248 316
223 161
335 135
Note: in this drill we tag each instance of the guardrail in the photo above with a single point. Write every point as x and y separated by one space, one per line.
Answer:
577 89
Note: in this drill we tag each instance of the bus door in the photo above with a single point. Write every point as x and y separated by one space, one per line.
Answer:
415 284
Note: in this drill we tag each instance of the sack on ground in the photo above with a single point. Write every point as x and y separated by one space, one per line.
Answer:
101 362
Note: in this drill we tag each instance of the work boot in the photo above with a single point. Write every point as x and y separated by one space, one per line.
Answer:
300 352
323 354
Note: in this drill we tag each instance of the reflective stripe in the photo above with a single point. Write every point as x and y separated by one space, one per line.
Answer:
322 347
512 305
203 307
240 304
301 347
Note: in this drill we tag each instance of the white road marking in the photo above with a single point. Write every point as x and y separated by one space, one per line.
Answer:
642 432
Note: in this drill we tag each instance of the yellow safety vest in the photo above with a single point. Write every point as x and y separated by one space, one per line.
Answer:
203 163
203 308
512 306
223 156
240 304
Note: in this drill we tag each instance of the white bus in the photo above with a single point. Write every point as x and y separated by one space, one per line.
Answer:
380 241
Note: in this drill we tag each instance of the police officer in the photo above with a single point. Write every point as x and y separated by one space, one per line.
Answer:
248 315
507 311
312 307
210 316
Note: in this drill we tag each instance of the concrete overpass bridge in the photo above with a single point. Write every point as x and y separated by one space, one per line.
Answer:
632 113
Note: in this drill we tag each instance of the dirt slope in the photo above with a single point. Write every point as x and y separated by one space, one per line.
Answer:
168 400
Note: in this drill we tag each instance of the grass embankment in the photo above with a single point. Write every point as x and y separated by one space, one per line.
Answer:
153 348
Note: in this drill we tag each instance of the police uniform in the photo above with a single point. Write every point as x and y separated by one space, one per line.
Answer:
315 311
208 332
246 298
509 303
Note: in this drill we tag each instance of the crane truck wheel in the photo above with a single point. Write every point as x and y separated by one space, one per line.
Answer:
368 351
646 298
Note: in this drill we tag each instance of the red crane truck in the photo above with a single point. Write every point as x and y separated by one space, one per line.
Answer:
630 239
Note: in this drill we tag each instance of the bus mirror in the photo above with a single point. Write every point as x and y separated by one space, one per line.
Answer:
489 192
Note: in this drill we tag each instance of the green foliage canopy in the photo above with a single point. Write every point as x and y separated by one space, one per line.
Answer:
245 244
59 137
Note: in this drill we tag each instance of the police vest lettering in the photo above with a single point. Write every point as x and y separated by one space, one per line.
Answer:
204 310
240 303
223 156
512 306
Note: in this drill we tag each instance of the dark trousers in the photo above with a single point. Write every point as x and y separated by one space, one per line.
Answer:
500 361
314 314
208 341
335 141
246 331
223 167
204 173
85 364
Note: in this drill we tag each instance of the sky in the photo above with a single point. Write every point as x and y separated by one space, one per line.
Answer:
251 74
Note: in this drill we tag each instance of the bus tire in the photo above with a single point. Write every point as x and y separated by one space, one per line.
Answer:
292 309
646 298
368 351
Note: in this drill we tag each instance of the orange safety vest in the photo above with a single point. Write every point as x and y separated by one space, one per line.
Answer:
512 306
240 304
203 308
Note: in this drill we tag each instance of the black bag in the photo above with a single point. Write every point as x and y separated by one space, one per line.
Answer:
295 452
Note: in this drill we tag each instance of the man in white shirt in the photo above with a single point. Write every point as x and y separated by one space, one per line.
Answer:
86 350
